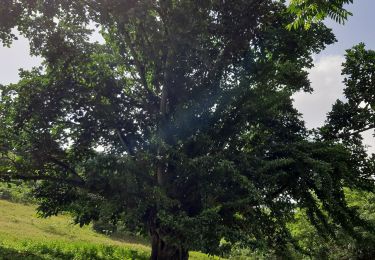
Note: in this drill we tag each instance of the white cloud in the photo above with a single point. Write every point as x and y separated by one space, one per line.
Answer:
326 80
18 56
14 58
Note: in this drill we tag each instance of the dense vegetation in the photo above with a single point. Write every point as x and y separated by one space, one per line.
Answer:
25 236
181 125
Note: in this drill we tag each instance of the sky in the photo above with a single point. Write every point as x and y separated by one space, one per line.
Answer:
325 77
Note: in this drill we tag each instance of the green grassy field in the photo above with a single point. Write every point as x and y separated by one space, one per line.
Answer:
25 236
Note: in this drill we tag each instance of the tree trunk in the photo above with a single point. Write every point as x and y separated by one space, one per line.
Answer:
164 251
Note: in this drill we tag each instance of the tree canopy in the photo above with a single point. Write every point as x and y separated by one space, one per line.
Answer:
181 125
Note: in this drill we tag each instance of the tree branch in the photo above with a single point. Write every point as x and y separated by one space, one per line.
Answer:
28 177
343 135
66 167
125 142
140 67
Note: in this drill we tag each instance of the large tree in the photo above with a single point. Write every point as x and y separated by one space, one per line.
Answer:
180 125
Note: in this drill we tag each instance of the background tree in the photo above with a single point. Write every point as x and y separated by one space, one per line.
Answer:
181 124
342 246
350 118
345 124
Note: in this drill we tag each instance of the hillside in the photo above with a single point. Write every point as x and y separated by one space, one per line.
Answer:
25 236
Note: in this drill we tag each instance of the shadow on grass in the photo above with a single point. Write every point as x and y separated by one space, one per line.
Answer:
129 238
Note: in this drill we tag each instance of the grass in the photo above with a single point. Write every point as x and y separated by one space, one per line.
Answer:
25 236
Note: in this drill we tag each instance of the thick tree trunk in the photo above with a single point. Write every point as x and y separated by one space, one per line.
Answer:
164 251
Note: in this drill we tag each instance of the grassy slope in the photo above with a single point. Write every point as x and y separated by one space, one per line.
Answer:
25 236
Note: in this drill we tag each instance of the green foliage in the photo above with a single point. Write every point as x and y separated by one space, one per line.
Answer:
17 192
34 251
308 12
311 245
181 125
349 118
342 245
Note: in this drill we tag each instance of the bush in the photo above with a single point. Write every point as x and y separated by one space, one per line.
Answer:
17 192
60 251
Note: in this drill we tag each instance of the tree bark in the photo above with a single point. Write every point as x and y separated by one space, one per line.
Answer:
164 251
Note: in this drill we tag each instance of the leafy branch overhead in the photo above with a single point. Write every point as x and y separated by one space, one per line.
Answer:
308 12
